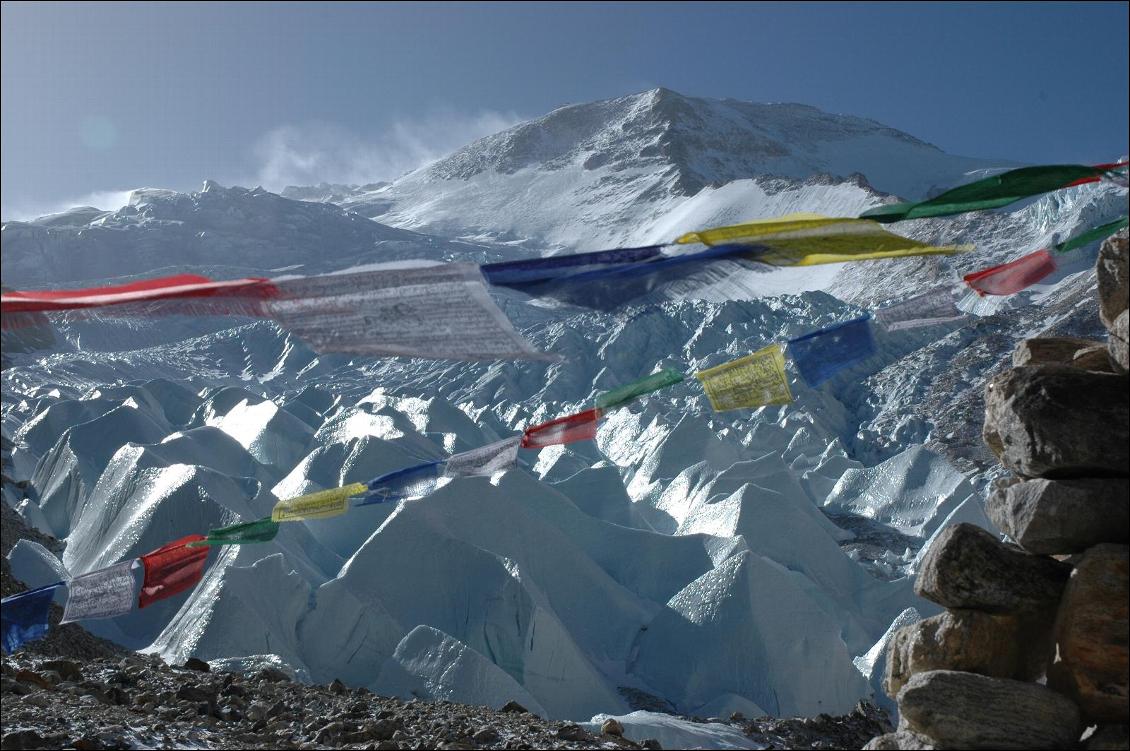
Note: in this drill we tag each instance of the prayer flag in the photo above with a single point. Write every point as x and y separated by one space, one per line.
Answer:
810 239
23 616
926 309
1010 278
105 593
991 192
517 274
484 461
171 569
607 286
820 355
621 396
1098 233
410 482
579 427
181 286
439 312
260 530
320 505
751 381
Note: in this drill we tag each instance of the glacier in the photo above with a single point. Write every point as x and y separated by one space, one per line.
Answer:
748 561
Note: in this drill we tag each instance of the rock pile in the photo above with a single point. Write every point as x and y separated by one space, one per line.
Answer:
1031 651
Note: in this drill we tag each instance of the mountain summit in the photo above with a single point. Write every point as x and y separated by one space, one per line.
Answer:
591 172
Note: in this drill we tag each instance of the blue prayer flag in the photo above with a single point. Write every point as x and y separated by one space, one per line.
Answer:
411 482
23 617
820 355
606 279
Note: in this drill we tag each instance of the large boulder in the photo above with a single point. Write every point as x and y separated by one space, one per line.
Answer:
966 567
904 740
955 640
1118 340
1059 421
1095 357
1062 516
1112 274
1049 349
966 710
1091 635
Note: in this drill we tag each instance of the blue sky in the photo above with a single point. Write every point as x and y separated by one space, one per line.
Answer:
99 98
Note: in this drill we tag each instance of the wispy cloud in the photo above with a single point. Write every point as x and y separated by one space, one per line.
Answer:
107 200
315 153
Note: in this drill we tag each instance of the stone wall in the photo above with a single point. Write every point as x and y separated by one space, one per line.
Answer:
1031 651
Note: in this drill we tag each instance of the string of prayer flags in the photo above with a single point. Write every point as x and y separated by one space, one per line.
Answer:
484 461
992 192
23 616
320 505
579 427
105 593
810 239
171 569
402 484
260 530
820 355
1098 233
620 396
936 306
751 381
435 312
421 480
1010 278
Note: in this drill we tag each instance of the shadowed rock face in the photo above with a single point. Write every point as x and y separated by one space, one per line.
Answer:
1059 421
1091 634
1062 516
966 567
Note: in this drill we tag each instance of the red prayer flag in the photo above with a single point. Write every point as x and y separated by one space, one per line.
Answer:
578 427
1096 178
177 287
172 569
1010 278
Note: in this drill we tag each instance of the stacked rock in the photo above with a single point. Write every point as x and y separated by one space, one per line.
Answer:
1031 651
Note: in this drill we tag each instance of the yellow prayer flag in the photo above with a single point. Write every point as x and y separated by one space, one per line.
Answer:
759 228
320 505
809 239
751 381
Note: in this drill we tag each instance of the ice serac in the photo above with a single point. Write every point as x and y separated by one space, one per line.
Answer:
429 664
912 492
761 632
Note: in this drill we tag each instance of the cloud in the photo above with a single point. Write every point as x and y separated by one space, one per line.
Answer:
318 152
107 200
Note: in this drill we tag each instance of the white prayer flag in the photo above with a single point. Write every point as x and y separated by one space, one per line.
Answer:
440 312
933 307
486 460
104 593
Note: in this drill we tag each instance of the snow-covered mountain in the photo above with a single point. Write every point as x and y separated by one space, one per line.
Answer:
713 562
629 170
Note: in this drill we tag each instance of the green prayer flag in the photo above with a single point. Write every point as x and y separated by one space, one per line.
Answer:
260 530
1098 233
989 193
621 396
